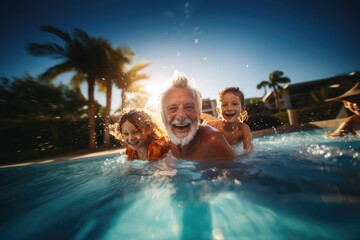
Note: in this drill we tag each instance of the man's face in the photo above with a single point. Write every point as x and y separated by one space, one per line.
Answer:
180 115
353 104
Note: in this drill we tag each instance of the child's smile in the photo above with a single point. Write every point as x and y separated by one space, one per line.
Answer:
133 136
230 107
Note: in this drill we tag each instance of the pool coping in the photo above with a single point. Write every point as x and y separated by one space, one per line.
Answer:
333 123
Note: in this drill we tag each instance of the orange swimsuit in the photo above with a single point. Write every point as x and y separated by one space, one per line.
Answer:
157 149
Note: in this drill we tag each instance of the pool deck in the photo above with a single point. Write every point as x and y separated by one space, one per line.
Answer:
87 154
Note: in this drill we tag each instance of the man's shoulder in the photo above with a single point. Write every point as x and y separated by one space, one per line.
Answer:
214 144
210 133
207 129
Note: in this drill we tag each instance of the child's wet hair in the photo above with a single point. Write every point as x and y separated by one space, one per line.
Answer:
141 120
235 90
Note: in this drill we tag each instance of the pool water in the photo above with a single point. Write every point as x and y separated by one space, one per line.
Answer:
298 185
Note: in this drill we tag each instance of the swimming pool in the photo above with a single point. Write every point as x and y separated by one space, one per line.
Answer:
296 185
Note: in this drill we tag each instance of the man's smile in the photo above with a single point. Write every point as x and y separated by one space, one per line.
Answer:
181 127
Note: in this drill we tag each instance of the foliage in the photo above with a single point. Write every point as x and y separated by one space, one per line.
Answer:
28 98
34 138
259 122
321 112
256 108
259 119
85 55
38 119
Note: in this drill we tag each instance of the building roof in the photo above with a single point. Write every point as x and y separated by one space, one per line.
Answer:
304 87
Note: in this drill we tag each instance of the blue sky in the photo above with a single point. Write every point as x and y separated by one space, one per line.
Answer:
217 43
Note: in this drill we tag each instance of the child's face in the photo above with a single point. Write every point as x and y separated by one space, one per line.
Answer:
134 138
230 107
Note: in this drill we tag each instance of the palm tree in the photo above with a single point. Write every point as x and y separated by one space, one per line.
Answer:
80 53
129 82
275 80
116 60
263 84
138 97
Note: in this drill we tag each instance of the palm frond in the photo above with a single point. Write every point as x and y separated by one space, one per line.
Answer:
283 80
55 71
136 88
77 80
263 84
138 67
127 53
46 49
56 31
102 86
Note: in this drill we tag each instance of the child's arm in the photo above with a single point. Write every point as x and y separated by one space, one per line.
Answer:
247 138
207 117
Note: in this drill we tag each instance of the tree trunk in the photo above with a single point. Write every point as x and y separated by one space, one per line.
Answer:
123 99
91 105
106 140
276 96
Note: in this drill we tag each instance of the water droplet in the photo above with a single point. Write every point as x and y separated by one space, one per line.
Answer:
196 41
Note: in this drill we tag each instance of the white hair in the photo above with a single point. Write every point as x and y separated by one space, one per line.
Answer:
180 80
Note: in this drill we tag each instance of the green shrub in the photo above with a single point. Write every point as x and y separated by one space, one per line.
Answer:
260 122
36 139
324 111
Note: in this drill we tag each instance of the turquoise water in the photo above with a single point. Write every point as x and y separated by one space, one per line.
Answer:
297 185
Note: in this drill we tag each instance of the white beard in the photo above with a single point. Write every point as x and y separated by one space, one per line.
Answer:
182 141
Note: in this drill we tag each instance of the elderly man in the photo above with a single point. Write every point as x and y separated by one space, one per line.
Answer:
180 107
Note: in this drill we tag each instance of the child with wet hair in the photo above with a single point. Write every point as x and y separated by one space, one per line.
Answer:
144 138
232 113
